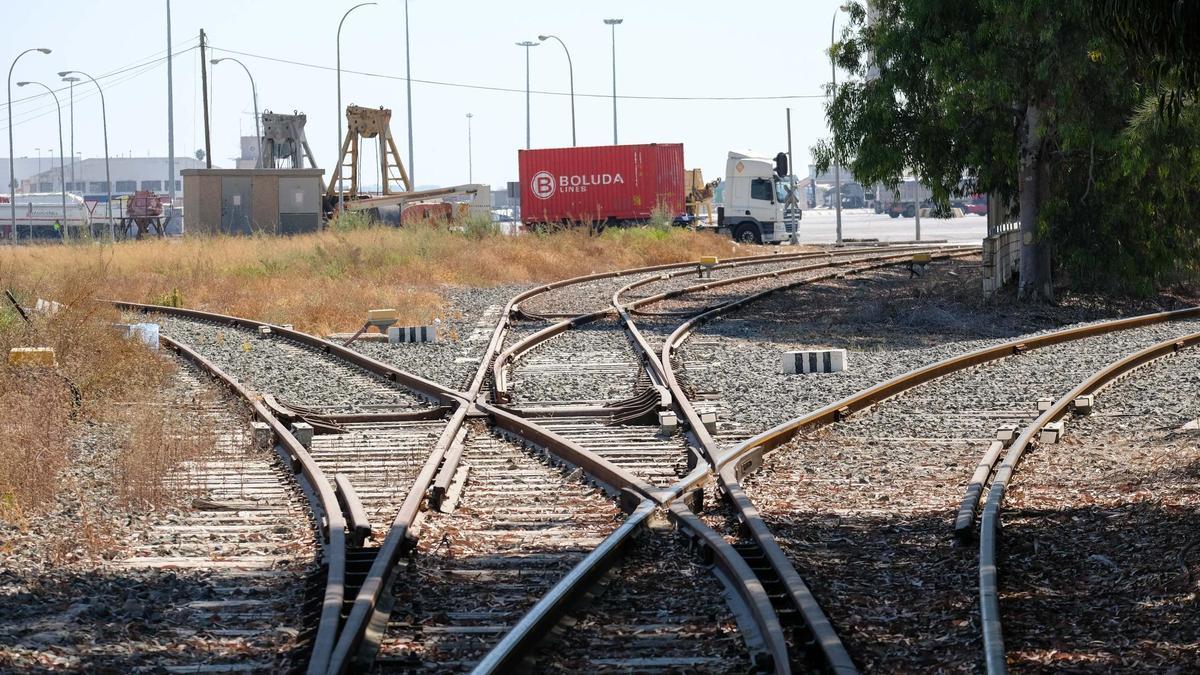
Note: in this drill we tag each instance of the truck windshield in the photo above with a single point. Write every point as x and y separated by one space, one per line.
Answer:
782 187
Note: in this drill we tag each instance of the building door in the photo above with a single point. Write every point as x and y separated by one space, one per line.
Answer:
235 205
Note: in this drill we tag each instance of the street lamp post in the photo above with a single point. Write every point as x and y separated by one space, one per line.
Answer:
571 73
614 23
62 226
254 98
112 229
12 172
338 154
470 168
71 81
837 160
528 134
170 123
412 175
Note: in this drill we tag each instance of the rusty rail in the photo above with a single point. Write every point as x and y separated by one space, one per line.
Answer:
830 653
325 507
750 451
989 592
426 388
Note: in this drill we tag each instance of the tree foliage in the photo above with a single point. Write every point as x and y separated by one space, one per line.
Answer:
1030 101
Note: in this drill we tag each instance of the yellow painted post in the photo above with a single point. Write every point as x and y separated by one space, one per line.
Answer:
35 357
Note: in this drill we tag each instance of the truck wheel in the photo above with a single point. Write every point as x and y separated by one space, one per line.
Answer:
910 211
894 214
747 233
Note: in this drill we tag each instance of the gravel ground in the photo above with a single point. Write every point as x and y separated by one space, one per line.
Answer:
877 494
293 373
662 612
888 323
463 334
592 362
77 592
1100 534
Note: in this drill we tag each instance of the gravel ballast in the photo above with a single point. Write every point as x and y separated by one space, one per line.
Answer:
293 373
1100 533
864 509
888 322
99 584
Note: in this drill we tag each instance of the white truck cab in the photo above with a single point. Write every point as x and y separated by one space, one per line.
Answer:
759 200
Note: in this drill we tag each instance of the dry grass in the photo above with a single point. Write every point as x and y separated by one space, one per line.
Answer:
43 421
326 282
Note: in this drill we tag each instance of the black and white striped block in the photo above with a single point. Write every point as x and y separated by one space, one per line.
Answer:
814 361
399 334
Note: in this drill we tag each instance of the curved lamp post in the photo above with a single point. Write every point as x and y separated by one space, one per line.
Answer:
340 112
254 95
571 74
12 172
62 167
112 228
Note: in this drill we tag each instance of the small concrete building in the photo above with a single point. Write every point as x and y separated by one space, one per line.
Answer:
246 201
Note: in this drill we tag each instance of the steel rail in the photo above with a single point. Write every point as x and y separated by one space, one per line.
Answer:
508 356
635 496
989 592
359 639
426 388
746 456
326 511
507 655
833 655
707 442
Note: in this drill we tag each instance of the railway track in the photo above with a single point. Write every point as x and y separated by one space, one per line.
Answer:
869 478
768 620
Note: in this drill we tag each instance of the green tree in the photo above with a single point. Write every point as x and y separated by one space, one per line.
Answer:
1000 94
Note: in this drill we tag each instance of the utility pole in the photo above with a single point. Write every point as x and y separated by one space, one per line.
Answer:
528 134
204 88
71 82
613 23
470 168
170 123
837 158
795 238
917 205
412 176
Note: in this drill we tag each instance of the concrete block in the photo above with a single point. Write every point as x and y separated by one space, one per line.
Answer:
32 357
1051 433
668 423
1084 404
303 432
401 334
1006 433
1044 404
47 307
709 420
262 435
813 361
264 331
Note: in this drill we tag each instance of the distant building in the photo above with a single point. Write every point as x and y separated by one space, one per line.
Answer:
249 158
128 174
24 167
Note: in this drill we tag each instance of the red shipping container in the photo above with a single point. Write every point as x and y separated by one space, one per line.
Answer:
605 183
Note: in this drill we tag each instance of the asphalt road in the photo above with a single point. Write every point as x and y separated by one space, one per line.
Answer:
818 226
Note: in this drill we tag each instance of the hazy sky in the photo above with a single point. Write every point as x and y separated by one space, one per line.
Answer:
693 48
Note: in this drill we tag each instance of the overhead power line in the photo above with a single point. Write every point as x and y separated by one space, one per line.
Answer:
482 87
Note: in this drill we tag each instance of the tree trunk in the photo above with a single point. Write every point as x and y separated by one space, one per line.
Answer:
1035 254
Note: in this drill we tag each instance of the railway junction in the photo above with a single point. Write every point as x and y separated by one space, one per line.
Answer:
618 473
